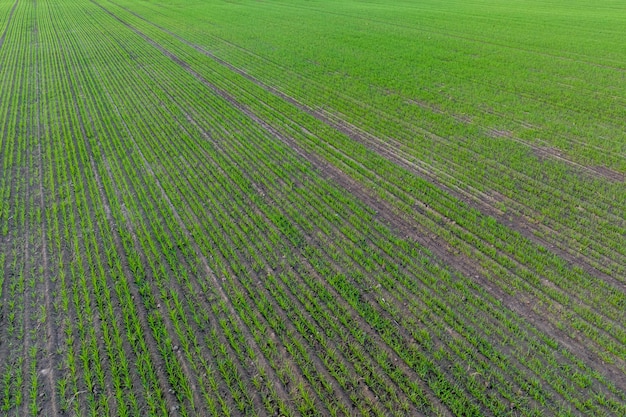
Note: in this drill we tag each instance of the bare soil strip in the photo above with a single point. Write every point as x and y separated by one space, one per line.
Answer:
519 224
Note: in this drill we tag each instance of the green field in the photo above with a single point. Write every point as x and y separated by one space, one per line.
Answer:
312 207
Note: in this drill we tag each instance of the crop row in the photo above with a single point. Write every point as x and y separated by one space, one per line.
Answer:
455 161
494 244
225 249
206 247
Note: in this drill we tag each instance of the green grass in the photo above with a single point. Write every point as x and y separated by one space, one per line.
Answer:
312 208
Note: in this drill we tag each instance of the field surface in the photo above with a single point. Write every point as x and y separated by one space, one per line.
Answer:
312 207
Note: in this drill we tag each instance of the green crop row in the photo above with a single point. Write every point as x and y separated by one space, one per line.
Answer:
530 255
206 222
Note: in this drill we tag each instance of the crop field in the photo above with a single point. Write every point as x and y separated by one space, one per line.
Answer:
312 208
